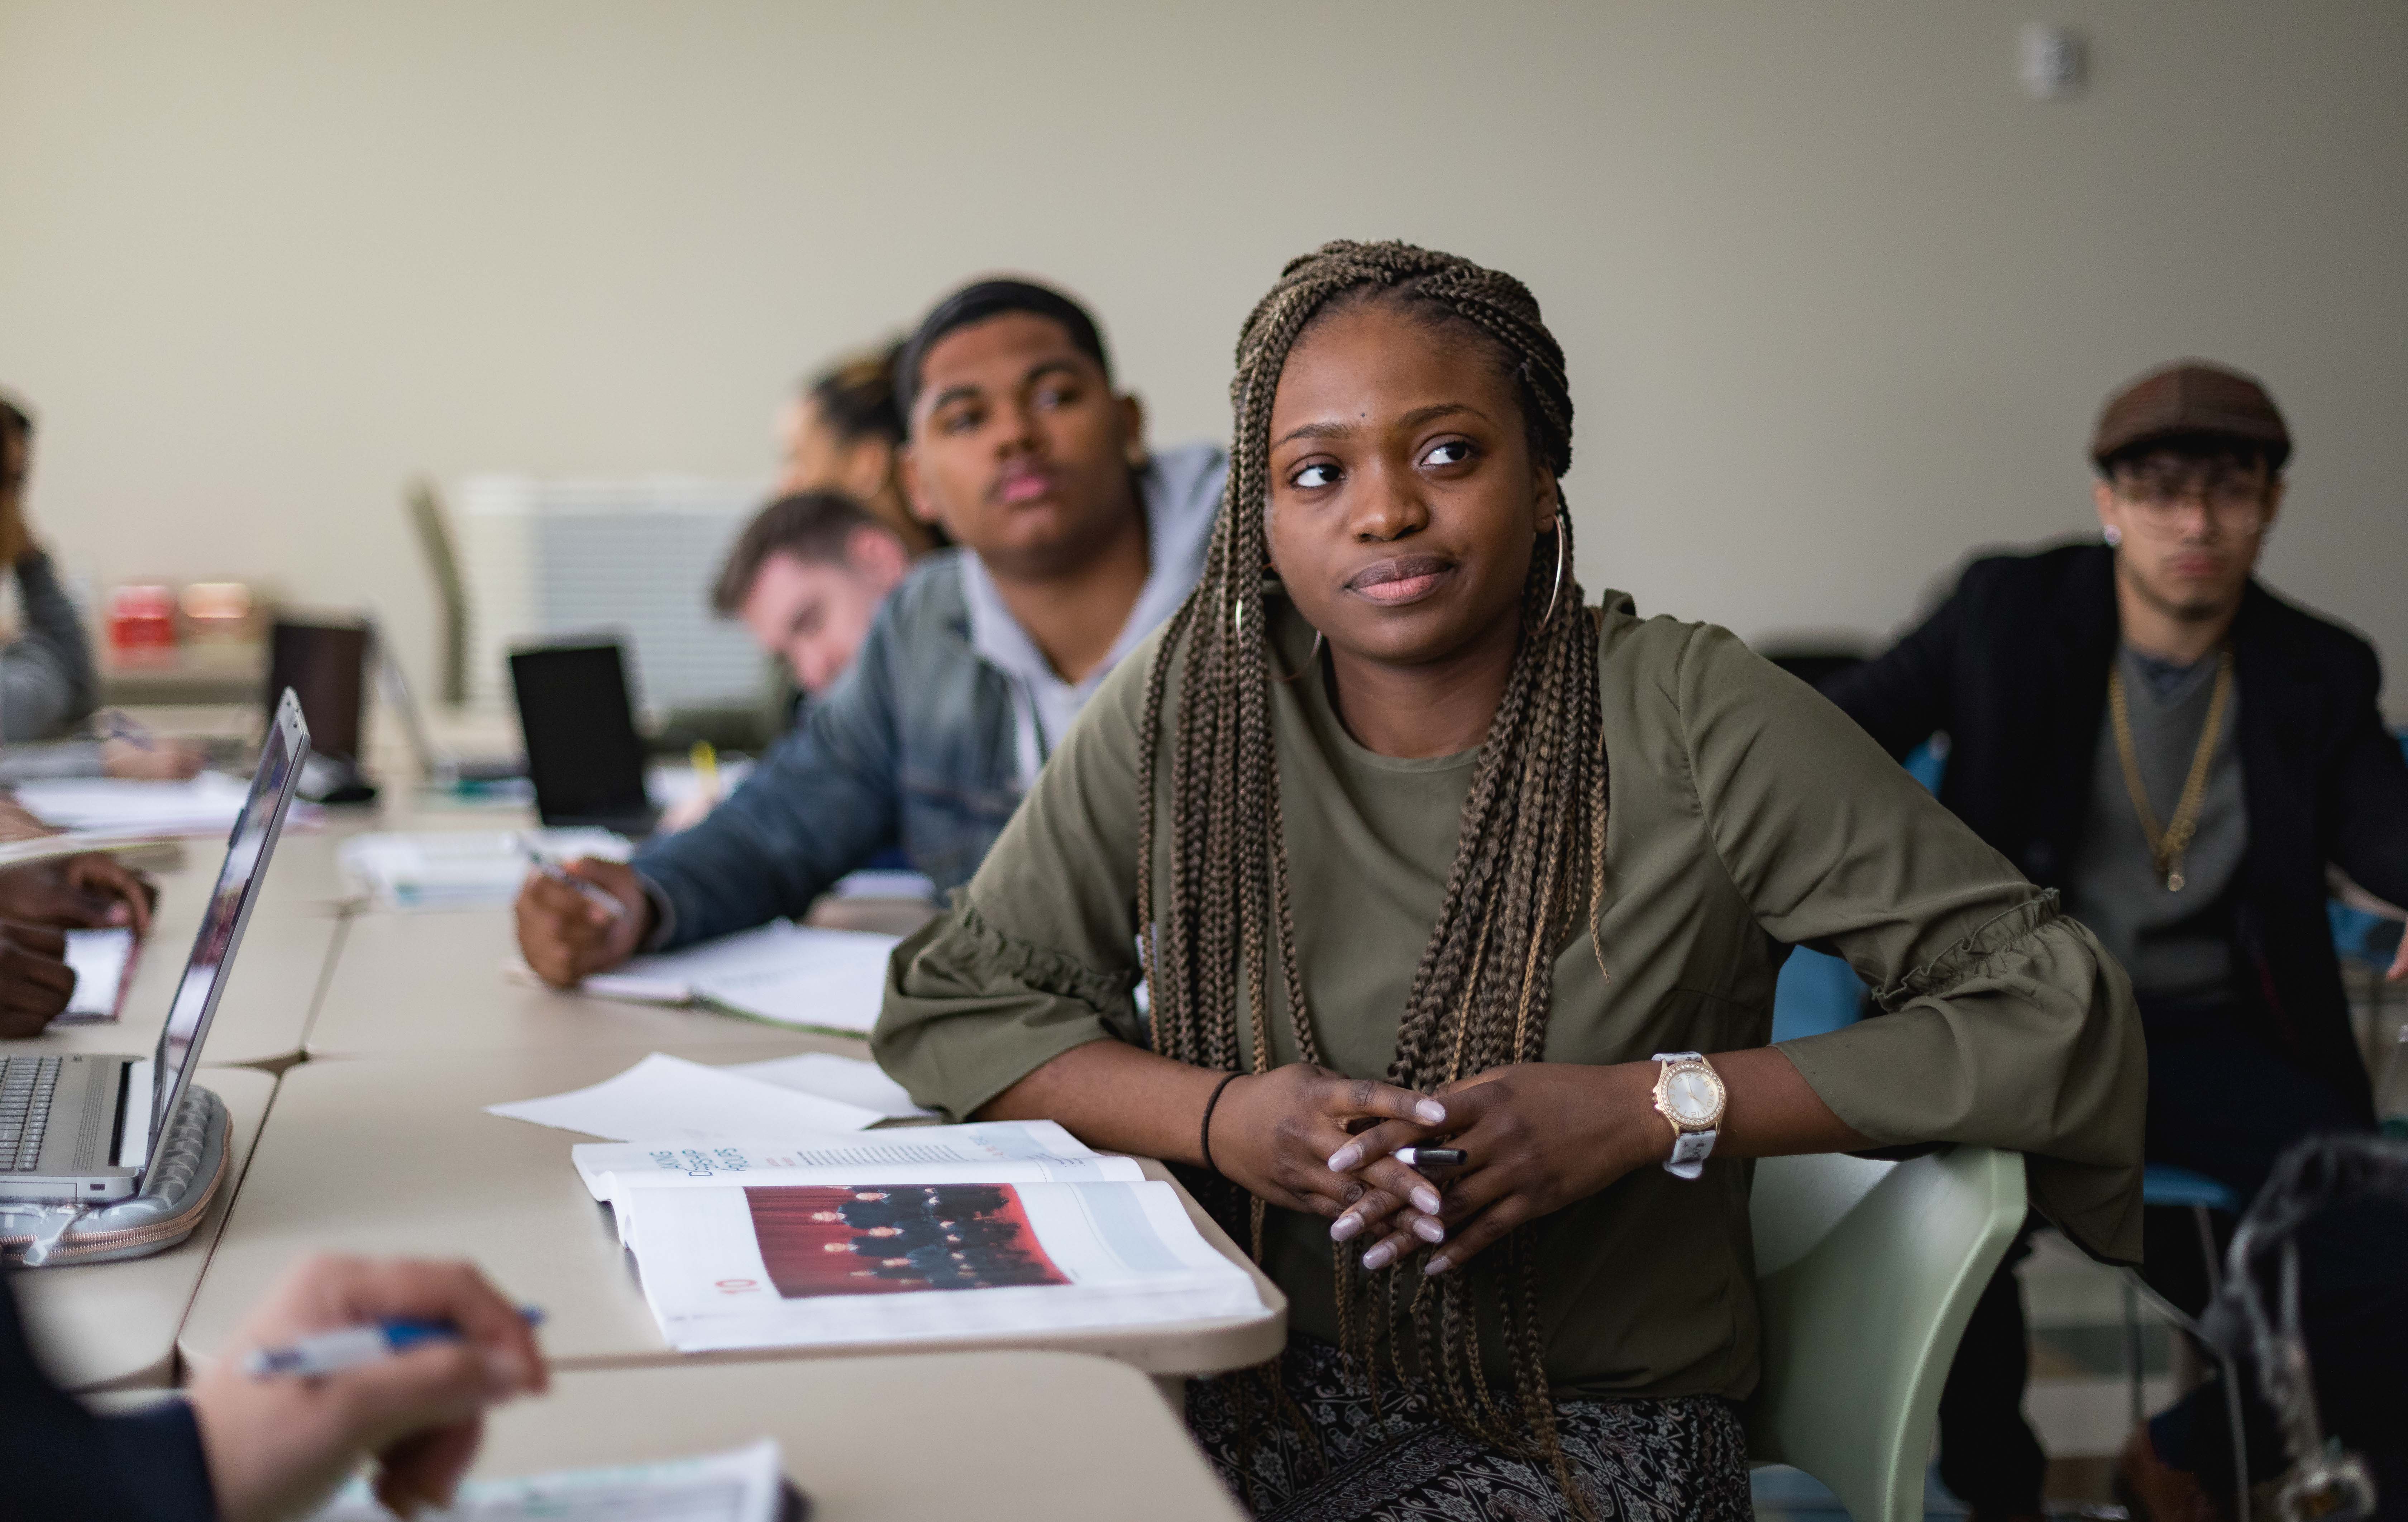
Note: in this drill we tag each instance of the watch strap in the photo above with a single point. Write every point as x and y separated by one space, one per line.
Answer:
1690 1149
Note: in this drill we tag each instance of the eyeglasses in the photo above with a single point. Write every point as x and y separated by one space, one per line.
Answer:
2234 498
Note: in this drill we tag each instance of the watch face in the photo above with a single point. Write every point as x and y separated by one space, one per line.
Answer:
1690 1096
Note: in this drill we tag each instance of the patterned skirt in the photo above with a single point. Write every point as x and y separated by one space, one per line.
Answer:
1677 1460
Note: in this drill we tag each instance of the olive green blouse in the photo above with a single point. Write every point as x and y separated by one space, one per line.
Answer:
1745 814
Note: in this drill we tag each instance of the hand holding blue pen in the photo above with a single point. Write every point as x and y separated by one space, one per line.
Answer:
349 1347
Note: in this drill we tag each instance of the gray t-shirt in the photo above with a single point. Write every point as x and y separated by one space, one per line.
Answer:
2176 945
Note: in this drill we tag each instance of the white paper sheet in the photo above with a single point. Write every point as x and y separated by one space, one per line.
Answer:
832 1077
1086 1255
785 974
666 1098
464 869
987 1152
745 1486
101 959
126 808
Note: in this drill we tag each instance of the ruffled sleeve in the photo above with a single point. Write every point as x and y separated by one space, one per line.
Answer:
2002 1021
1038 954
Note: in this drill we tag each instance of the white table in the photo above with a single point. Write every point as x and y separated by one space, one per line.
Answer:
396 1156
1003 1436
430 984
112 1326
271 993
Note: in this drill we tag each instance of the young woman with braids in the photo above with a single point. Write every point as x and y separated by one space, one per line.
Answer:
1418 845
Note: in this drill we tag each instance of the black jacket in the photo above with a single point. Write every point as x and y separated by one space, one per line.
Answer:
59 1461
2014 668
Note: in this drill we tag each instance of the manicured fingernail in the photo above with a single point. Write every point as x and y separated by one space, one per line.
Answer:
1436 1264
1378 1258
1430 1112
1426 1201
1346 1158
1429 1231
1345 1227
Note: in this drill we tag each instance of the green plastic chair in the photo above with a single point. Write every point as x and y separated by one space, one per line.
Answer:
1866 1275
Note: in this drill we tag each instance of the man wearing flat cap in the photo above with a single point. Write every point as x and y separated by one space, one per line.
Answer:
2142 726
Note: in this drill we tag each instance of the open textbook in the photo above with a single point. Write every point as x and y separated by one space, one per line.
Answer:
949 1233
745 1486
785 974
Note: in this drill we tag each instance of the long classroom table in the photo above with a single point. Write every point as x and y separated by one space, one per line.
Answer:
430 984
390 1153
1004 1437
397 1155
113 1325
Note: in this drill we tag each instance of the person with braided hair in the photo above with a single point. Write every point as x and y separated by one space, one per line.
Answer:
1409 841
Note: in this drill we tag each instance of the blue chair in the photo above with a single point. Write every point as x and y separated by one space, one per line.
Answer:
2164 1185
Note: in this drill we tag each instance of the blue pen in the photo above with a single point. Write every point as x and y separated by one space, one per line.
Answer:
328 1353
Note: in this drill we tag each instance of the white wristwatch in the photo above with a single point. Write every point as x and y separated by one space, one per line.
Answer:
1689 1094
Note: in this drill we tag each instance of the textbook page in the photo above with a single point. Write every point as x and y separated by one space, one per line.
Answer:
745 1486
666 1098
103 962
819 1265
785 974
998 1151
465 869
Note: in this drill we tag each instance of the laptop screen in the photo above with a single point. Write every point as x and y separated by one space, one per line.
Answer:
247 852
582 750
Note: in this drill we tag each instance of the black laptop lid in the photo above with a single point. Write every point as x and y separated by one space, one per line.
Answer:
583 754
327 665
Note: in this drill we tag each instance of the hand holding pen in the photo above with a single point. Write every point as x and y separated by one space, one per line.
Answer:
277 1445
600 898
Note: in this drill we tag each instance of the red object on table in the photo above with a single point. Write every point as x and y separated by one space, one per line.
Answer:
142 618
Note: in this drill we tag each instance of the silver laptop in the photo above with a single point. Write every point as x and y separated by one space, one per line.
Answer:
80 1127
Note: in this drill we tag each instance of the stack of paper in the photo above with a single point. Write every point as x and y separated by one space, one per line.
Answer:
465 869
745 1486
126 809
784 973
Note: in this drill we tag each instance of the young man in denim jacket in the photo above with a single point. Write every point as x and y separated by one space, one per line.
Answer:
1074 543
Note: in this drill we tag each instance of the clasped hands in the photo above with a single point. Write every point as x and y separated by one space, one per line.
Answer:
1536 1136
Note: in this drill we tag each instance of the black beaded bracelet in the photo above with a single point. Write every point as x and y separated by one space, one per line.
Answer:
1204 1137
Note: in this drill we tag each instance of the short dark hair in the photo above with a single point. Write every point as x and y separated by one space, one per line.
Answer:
977 302
14 420
855 397
809 525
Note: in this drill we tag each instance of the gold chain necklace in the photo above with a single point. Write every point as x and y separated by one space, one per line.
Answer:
2167 845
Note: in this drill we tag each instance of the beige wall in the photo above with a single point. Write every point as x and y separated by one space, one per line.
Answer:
1841 301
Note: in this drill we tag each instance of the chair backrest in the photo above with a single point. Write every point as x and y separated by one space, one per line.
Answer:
1866 1275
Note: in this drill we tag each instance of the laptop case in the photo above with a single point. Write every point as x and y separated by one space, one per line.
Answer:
192 1165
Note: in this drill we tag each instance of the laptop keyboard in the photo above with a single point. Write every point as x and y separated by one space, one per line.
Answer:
26 1084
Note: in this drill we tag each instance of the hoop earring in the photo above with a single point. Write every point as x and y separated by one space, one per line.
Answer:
1559 590
2113 535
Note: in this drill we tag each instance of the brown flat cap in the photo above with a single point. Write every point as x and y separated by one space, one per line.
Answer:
2191 398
